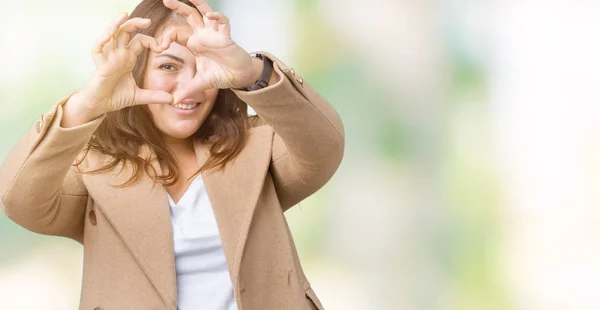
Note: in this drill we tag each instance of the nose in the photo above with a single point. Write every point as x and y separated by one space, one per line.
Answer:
186 76
184 81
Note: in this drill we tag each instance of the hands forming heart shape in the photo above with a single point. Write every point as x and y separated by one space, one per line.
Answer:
220 62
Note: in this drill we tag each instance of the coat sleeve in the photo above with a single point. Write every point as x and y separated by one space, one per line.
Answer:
40 189
308 145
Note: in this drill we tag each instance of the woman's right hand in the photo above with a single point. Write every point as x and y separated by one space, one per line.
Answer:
112 87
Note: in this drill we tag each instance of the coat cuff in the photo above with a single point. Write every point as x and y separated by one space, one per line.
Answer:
50 132
288 83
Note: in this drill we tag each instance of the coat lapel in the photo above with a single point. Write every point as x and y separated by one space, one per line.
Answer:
140 213
141 217
233 193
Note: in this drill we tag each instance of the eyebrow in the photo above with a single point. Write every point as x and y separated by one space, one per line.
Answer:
171 56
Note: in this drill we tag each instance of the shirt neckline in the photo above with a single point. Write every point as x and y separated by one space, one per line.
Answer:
173 203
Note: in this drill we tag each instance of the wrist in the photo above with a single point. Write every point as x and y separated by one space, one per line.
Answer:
266 76
78 111
257 67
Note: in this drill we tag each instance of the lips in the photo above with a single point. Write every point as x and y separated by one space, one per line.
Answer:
185 107
187 101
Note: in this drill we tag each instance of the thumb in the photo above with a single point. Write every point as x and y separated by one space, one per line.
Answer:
189 91
148 96
200 84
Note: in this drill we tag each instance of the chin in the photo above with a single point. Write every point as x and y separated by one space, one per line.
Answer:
181 132
180 135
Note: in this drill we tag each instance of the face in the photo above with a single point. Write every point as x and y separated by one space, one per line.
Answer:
171 71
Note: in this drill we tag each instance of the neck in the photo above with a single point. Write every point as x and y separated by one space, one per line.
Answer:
185 155
178 146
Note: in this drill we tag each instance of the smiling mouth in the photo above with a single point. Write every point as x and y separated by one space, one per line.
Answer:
182 106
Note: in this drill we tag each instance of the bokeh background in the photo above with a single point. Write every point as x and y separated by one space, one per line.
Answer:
471 173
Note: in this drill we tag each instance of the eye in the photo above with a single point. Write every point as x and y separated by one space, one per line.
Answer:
168 67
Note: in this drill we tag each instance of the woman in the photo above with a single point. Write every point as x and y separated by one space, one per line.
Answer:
154 166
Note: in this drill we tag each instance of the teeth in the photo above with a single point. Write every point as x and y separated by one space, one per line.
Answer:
185 106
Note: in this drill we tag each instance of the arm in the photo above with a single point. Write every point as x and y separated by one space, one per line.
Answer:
39 188
309 142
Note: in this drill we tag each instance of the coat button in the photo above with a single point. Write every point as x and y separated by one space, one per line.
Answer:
300 81
292 71
92 217
39 124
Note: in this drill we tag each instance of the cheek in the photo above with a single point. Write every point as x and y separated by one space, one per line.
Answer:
160 82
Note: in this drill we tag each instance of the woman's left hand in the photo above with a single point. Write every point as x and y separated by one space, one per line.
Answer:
220 62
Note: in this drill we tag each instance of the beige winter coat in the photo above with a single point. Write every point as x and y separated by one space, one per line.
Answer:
126 232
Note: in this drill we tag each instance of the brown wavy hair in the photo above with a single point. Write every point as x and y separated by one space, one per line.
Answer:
123 133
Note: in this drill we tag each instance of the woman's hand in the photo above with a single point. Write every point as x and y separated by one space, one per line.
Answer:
220 62
112 86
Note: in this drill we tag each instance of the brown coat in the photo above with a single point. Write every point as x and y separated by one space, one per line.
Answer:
126 232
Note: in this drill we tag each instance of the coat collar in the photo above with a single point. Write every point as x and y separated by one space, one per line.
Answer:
140 213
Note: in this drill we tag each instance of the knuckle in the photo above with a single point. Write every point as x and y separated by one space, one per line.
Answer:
137 37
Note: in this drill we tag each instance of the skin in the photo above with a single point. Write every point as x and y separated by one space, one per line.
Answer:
208 60
172 71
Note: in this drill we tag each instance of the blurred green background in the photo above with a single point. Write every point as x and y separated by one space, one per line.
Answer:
470 175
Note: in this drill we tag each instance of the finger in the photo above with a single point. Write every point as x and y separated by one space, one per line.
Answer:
141 42
196 85
192 15
204 9
211 23
114 26
219 18
100 44
97 54
130 26
149 96
174 34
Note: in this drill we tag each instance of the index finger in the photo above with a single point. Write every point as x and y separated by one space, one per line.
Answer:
192 15
113 28
174 34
